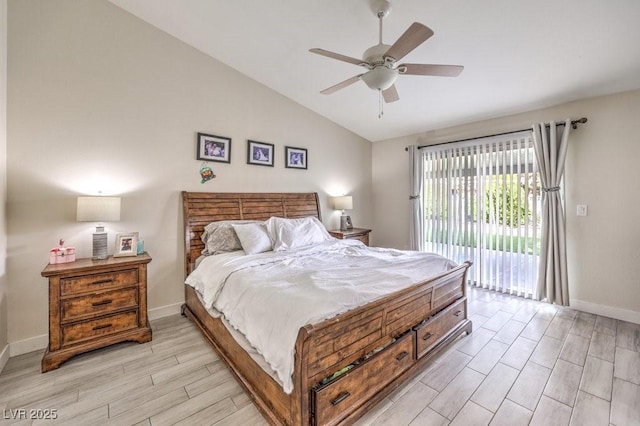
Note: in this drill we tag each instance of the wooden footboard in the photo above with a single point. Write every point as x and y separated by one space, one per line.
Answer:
380 341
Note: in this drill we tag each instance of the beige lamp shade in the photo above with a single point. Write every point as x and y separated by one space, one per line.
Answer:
343 203
98 209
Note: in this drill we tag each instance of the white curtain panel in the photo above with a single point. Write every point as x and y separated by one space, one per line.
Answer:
416 182
550 144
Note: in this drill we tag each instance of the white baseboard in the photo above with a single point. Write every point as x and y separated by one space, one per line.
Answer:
29 345
164 311
4 357
606 311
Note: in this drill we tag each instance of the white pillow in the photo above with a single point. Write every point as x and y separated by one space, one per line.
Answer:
253 237
286 234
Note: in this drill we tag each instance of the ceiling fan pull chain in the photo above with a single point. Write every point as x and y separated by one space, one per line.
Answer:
380 104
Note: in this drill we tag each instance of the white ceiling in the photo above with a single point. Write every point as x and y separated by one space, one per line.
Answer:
518 55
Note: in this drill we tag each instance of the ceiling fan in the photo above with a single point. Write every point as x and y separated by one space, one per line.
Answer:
381 60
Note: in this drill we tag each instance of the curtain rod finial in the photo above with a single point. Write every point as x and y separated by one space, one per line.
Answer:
574 124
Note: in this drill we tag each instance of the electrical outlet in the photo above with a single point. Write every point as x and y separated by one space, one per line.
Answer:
581 210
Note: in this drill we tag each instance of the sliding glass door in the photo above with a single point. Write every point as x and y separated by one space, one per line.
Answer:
482 203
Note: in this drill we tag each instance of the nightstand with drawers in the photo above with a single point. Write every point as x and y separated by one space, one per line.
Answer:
95 303
361 234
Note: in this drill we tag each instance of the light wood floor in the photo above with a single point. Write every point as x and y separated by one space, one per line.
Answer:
525 363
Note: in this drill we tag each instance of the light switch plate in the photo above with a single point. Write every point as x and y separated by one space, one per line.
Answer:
581 210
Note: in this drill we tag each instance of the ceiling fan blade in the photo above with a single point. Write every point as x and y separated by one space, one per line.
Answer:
429 69
337 56
341 85
415 35
390 94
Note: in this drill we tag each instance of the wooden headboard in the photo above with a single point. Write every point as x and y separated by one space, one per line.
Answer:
201 208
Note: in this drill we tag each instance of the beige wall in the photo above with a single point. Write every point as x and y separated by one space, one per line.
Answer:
3 176
601 171
99 100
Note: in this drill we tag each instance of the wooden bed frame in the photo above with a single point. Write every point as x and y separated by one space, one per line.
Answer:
412 325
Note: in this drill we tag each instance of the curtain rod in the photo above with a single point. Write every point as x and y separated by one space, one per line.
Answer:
574 125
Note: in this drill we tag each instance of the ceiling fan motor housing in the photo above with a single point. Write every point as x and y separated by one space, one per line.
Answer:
375 54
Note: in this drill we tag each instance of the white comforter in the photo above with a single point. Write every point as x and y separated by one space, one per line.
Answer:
268 297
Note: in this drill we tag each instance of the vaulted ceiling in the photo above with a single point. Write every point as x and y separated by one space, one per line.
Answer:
518 55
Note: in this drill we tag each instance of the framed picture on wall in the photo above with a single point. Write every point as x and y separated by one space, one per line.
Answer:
295 158
260 153
214 148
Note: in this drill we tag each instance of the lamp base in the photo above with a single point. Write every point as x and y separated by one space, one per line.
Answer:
100 246
345 223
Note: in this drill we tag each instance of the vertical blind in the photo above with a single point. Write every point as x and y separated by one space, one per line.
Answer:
482 203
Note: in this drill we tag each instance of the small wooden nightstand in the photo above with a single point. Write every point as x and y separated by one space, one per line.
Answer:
95 303
355 234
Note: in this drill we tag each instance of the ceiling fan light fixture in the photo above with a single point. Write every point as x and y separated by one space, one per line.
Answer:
380 78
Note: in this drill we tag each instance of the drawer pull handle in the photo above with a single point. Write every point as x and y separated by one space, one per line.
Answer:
101 282
98 327
402 356
427 336
344 395
103 302
458 313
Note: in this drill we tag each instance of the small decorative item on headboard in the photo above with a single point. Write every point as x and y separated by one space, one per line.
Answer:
62 254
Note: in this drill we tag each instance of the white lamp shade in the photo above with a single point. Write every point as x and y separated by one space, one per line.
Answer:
343 203
98 209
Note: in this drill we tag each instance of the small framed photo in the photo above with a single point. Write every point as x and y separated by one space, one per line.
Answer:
295 158
214 148
260 153
126 245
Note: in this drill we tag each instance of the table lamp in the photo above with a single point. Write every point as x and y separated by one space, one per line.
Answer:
99 209
344 203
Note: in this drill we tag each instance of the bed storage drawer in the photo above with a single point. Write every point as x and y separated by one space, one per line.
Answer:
334 401
429 333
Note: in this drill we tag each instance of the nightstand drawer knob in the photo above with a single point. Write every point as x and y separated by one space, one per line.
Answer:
99 327
103 302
